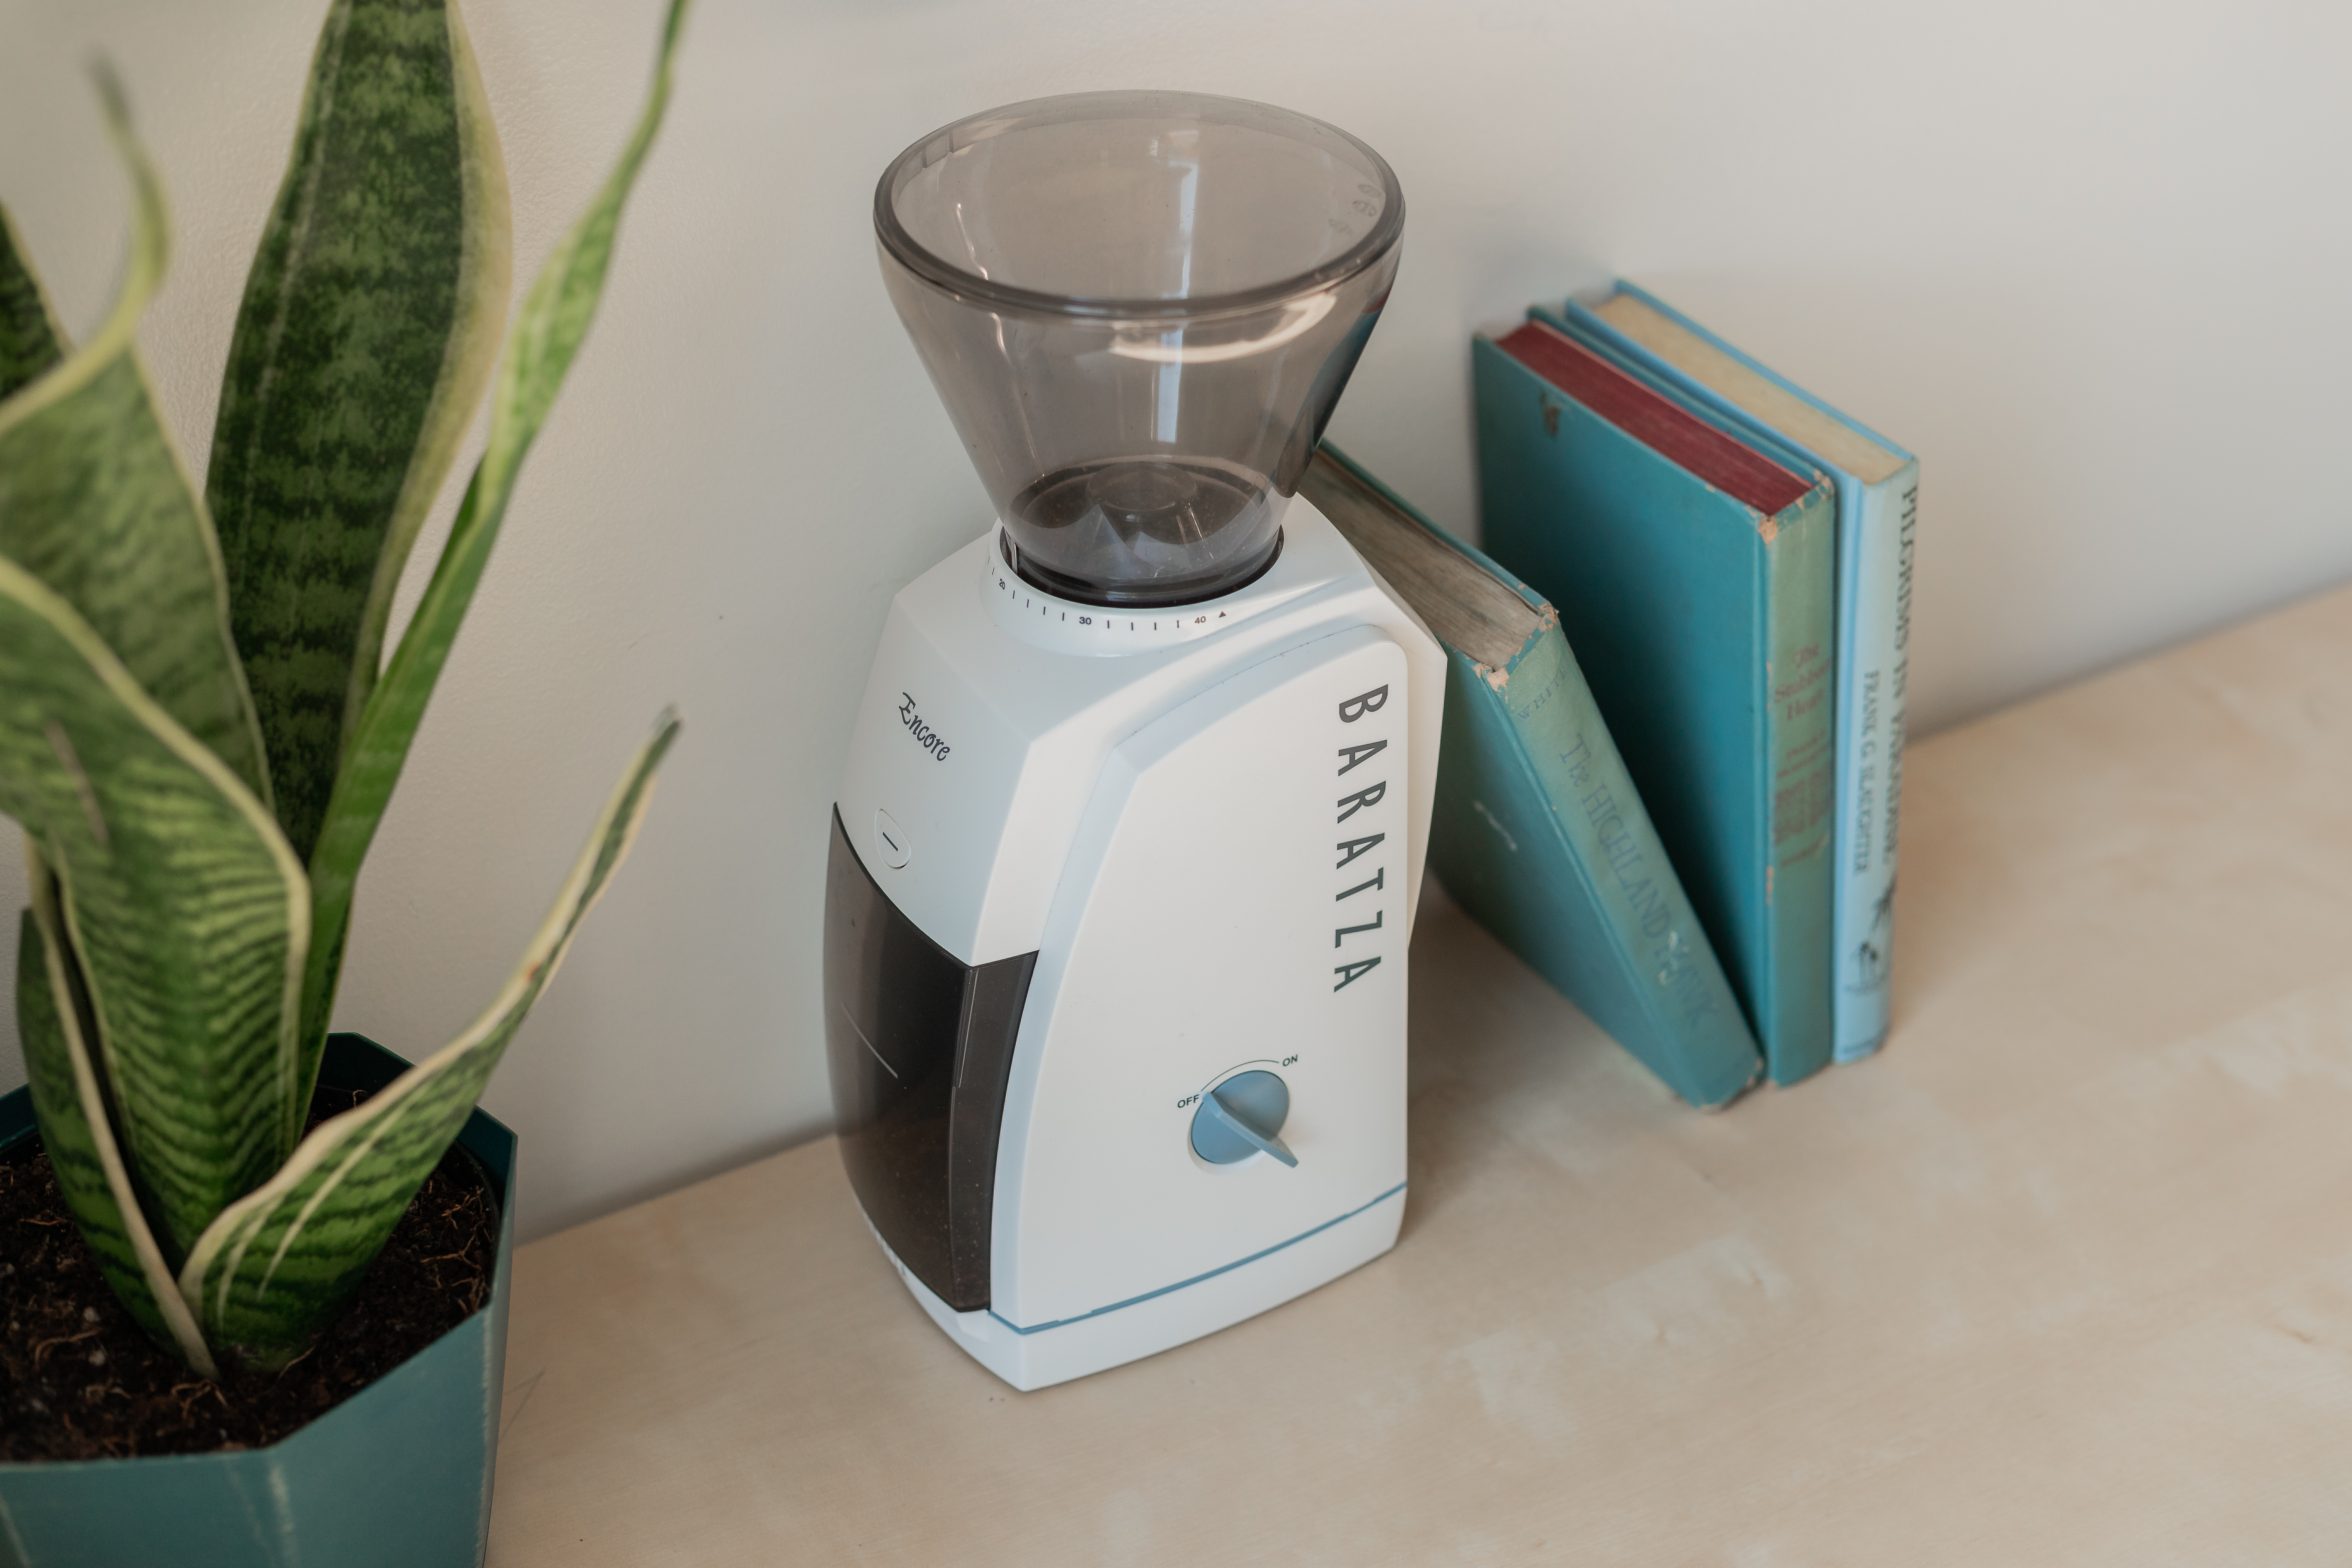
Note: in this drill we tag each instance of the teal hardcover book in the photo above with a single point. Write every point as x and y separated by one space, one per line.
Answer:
1695 569
1537 830
1877 507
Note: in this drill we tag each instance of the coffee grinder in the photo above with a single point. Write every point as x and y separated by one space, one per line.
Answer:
1129 842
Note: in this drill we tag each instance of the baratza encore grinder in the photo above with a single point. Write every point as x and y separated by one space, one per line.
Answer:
1130 835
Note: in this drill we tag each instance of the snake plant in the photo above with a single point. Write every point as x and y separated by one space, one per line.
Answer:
199 729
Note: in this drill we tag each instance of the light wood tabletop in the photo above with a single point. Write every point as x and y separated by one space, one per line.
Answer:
2065 1274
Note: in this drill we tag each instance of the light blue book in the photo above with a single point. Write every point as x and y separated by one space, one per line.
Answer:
1877 510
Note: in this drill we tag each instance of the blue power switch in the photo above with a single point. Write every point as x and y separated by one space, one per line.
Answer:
1241 1117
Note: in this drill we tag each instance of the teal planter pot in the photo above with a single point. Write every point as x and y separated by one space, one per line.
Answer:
398 1475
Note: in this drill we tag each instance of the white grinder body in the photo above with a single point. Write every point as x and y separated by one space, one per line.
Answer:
1088 865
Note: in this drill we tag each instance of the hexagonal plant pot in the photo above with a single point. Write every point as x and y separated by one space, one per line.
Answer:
399 1474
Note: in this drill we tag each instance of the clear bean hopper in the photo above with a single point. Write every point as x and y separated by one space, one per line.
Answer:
1139 309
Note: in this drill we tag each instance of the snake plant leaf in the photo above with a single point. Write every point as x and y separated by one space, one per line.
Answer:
30 339
541 345
182 904
71 1109
95 503
368 330
272 1271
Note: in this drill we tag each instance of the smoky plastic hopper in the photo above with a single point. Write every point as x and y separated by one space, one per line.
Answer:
1139 309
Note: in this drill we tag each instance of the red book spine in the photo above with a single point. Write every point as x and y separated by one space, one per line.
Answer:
1665 427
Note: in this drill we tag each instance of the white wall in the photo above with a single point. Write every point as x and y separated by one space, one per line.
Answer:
2088 260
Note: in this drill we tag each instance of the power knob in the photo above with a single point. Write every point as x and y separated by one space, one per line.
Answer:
1241 1117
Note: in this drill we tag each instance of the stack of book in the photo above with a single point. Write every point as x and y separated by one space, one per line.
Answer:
1674 726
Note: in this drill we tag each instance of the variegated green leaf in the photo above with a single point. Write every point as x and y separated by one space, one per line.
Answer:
540 349
369 328
274 1267
95 503
182 904
68 1103
30 340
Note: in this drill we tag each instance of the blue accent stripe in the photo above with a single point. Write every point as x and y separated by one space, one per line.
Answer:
1212 1274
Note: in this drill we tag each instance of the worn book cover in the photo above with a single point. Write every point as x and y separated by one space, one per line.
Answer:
1877 509
1696 574
1537 830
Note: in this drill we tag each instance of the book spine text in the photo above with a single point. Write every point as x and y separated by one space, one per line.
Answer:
1875 567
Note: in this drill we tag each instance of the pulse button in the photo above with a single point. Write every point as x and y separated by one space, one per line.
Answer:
896 846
